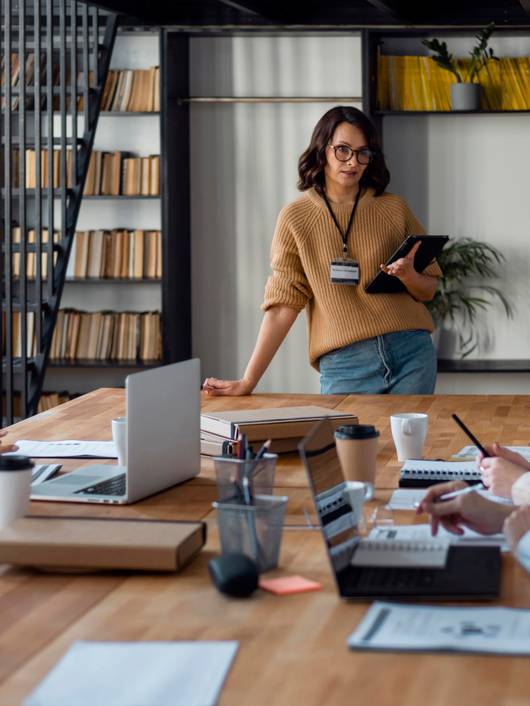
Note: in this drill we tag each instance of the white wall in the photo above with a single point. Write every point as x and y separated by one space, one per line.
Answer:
244 169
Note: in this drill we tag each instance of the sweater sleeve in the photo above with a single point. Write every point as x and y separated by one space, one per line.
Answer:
521 490
287 285
414 227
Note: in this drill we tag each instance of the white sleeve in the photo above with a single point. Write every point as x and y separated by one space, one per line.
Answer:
523 551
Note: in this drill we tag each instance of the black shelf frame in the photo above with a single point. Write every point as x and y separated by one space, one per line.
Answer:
483 366
176 195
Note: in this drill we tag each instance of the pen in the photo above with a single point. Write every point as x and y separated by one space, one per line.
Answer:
263 450
470 435
462 491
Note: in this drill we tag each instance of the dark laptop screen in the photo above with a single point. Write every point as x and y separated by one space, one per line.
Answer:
330 496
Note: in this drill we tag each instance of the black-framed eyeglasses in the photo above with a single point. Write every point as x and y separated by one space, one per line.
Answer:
344 153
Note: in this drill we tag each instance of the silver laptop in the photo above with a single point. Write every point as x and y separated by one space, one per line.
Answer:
163 442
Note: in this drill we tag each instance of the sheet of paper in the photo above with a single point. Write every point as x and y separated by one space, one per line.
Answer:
422 533
406 498
492 630
472 451
69 448
139 673
409 498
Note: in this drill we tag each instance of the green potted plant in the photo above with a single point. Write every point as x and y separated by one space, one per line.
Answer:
465 93
469 266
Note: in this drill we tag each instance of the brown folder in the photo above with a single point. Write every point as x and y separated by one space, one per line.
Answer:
101 543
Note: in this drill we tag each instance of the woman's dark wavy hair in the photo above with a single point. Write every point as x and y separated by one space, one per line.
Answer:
312 162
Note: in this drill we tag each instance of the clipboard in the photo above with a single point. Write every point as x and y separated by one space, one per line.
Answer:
431 246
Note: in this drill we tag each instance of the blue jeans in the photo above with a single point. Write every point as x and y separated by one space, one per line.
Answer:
400 363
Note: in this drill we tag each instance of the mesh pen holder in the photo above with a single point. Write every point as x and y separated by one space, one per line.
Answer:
229 473
254 530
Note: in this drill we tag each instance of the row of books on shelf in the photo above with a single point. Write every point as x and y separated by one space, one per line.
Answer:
418 83
106 335
116 254
100 254
109 173
97 335
47 401
27 74
132 90
31 257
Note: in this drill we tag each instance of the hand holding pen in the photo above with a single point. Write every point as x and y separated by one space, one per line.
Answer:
456 505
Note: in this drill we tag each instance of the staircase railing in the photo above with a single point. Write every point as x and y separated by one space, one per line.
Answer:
55 59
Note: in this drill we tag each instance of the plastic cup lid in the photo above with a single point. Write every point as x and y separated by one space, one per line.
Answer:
356 431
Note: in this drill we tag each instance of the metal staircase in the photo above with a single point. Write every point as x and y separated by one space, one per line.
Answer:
55 59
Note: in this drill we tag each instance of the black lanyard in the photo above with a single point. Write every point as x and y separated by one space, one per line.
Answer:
344 236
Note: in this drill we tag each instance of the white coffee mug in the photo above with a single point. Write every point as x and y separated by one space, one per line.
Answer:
15 488
409 431
119 437
356 492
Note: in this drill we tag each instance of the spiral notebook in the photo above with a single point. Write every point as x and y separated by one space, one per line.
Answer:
428 554
420 474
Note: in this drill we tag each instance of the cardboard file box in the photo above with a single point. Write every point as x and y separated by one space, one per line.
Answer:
74 542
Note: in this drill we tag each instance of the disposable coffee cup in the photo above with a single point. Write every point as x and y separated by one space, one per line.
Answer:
119 437
357 452
409 431
15 488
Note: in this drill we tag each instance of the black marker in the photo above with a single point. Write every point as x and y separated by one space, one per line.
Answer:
471 436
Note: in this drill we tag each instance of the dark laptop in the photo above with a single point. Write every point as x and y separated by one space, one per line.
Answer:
469 573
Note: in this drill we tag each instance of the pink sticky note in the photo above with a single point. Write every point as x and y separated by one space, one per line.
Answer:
284 585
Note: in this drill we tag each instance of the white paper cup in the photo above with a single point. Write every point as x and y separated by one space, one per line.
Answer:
409 431
119 437
15 488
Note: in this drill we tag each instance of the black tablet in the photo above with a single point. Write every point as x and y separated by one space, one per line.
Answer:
430 246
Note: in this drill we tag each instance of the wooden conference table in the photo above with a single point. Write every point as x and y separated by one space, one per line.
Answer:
292 649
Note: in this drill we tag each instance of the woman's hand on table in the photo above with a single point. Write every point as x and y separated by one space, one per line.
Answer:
216 387
6 448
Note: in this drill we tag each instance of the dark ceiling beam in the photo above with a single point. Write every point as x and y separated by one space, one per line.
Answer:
525 4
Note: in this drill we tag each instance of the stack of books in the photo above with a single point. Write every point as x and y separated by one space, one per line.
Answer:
285 426
132 90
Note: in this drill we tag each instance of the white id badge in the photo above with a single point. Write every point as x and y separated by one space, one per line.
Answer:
344 271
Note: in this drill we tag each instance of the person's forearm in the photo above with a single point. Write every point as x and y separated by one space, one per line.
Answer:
274 328
421 287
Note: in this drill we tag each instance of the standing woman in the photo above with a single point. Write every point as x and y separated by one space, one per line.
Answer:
327 246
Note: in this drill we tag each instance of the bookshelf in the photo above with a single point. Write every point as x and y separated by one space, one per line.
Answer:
133 133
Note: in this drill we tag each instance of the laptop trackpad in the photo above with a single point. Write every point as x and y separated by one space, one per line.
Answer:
77 479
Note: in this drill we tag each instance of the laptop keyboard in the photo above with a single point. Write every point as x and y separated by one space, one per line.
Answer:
393 579
112 486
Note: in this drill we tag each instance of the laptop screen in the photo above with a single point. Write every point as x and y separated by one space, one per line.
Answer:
330 495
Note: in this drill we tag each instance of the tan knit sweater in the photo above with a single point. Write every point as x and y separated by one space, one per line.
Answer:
304 243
